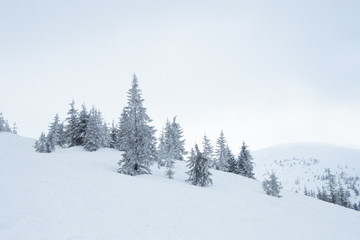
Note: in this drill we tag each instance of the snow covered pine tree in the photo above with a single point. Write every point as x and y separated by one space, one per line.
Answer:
272 187
199 174
244 164
221 153
136 136
41 145
208 151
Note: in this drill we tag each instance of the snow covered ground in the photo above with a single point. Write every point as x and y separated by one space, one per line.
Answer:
74 194
302 164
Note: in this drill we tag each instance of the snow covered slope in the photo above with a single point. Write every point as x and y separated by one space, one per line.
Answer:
74 194
303 164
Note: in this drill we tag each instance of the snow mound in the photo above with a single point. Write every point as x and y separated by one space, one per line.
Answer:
74 194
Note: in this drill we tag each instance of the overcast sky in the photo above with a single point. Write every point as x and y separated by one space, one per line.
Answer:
267 72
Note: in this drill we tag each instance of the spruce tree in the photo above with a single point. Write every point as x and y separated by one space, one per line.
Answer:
231 162
272 186
169 168
7 126
93 139
136 136
123 131
53 136
331 186
62 136
171 146
221 153
208 151
113 141
176 135
72 126
162 149
2 123
83 121
342 198
41 144
244 163
199 174
105 134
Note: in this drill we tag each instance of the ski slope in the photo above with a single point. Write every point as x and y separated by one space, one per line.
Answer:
74 194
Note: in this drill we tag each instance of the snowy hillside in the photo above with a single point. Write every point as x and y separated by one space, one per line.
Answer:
74 194
303 164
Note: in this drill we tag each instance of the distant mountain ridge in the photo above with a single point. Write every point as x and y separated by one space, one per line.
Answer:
300 165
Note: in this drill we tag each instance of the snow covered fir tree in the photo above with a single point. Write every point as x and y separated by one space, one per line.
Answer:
272 186
208 151
171 146
85 129
5 126
199 174
244 164
137 136
222 153
96 133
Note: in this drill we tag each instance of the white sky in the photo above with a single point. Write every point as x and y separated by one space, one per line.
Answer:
266 72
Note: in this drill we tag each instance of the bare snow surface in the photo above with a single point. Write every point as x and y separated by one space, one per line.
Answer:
74 194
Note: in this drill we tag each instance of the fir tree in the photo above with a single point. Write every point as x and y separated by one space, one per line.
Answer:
113 141
162 150
342 198
244 163
176 135
136 136
2 123
123 131
53 136
221 153
199 174
208 151
171 146
7 126
72 127
331 186
62 136
41 144
272 186
83 121
231 162
105 134
169 168
94 138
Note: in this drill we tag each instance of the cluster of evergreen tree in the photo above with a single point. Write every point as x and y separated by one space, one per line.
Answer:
333 192
224 160
82 128
134 136
5 127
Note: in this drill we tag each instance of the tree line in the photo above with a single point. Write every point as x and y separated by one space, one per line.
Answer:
333 191
135 137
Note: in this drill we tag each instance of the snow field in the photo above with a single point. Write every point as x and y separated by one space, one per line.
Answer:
74 194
